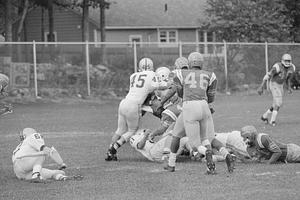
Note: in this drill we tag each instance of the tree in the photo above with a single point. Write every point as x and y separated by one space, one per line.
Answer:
249 20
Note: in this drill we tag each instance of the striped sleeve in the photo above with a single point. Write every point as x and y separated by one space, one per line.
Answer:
212 88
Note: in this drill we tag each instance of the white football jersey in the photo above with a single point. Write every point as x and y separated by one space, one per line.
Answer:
135 139
31 144
142 84
234 141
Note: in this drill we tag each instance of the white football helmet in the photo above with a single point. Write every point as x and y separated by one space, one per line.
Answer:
286 60
163 73
195 60
26 132
145 64
181 63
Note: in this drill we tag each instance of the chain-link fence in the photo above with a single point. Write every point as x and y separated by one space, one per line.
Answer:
90 68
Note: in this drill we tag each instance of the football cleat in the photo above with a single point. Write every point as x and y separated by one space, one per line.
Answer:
265 120
211 167
230 162
63 166
273 123
110 156
169 168
36 178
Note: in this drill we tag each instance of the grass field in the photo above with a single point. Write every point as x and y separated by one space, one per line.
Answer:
81 132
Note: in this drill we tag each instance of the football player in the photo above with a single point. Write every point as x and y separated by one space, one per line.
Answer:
29 156
4 108
181 63
198 88
280 73
156 151
171 108
262 146
142 83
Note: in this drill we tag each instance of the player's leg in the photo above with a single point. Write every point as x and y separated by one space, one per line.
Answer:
177 133
293 153
57 175
265 116
122 128
132 116
29 168
277 102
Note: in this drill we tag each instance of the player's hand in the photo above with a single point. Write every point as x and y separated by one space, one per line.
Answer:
260 90
290 91
212 110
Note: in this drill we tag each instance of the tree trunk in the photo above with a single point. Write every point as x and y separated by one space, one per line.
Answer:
51 22
8 21
23 16
85 21
102 30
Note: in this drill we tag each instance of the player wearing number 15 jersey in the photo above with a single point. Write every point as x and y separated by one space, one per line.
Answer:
142 83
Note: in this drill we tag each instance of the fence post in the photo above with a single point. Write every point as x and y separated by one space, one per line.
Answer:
134 56
180 48
225 67
267 62
87 58
34 69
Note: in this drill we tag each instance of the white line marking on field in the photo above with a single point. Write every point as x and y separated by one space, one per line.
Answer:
66 134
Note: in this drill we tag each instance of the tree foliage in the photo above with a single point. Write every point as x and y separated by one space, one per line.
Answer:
251 20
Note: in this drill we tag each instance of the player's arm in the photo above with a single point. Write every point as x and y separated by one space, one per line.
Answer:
267 77
212 87
289 78
272 147
142 143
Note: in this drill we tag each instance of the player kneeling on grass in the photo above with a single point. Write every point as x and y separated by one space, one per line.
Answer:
262 146
29 156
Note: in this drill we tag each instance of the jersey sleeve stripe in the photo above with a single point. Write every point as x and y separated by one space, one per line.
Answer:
179 75
212 78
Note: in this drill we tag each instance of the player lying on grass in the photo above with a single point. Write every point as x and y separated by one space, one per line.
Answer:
263 147
29 156
156 151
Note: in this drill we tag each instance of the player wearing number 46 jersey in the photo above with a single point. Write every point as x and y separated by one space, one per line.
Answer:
142 83
198 88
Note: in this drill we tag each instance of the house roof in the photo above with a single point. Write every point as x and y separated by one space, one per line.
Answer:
152 13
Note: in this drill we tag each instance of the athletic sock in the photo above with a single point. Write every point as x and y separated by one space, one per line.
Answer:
223 151
172 159
274 115
266 114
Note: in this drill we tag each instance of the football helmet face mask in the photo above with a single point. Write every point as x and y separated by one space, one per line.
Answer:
26 132
163 73
195 60
286 60
181 63
249 134
145 64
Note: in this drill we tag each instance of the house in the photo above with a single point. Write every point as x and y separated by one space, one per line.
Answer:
165 22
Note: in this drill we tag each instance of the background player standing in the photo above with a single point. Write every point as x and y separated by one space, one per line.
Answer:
280 73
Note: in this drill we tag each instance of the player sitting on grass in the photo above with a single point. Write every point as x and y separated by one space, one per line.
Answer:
262 146
29 156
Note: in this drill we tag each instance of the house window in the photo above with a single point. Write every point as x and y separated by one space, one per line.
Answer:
167 36
47 37
135 38
205 48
